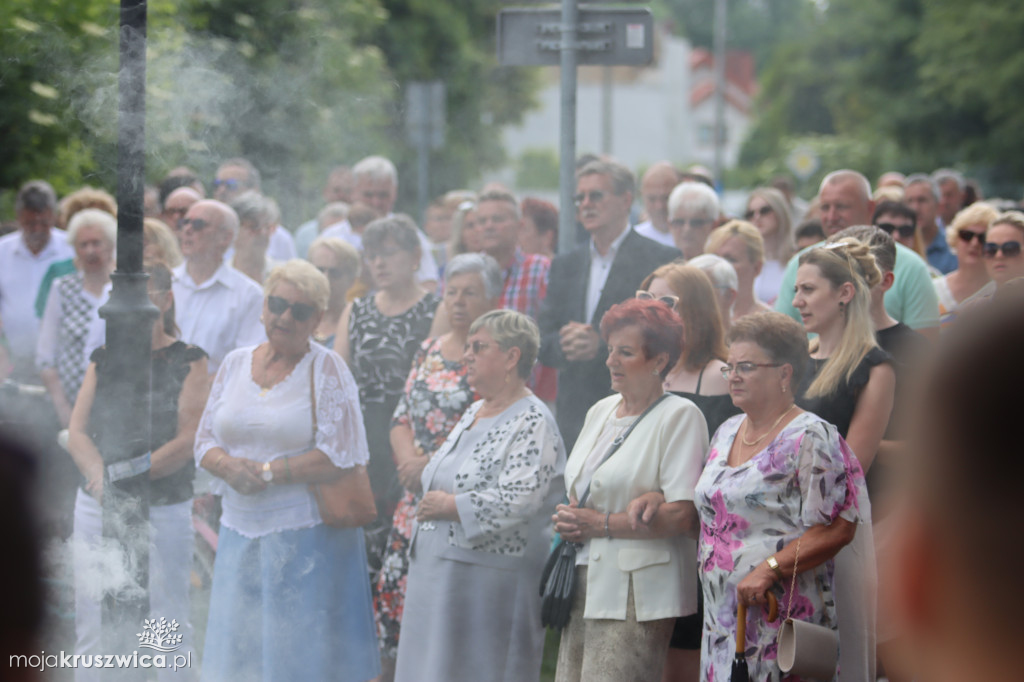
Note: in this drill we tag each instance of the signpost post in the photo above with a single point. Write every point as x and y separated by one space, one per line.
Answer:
567 37
424 122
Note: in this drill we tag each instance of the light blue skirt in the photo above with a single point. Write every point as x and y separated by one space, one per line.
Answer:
293 605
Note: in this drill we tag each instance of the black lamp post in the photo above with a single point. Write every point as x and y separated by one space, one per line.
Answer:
124 436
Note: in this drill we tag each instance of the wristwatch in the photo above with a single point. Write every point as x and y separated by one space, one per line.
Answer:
772 564
267 474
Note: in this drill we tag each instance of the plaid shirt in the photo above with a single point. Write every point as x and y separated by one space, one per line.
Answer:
526 284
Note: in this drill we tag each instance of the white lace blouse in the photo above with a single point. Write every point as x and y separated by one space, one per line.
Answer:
266 424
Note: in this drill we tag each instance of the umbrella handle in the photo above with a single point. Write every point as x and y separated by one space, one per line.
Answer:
741 626
773 607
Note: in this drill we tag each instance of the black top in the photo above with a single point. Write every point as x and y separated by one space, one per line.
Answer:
715 408
171 364
837 407
907 347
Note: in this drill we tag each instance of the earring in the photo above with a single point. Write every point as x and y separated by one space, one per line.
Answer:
842 307
656 372
784 389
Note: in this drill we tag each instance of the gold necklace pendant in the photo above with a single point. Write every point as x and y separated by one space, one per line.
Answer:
746 428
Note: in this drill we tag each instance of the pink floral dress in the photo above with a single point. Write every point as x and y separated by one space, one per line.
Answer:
436 394
806 476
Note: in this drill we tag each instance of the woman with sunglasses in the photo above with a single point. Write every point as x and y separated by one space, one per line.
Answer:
339 261
970 280
472 611
282 415
768 210
696 377
1003 258
850 383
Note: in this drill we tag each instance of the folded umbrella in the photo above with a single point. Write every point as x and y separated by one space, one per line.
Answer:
740 673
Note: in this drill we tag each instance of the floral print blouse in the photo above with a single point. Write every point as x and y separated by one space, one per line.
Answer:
806 476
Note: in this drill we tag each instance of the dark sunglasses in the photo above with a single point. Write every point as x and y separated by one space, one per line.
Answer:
594 196
300 311
967 235
332 273
905 231
230 183
197 224
1009 249
476 346
762 212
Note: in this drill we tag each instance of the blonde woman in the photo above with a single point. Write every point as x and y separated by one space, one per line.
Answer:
741 244
850 383
340 263
966 236
768 211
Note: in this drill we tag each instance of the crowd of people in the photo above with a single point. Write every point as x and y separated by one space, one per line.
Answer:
720 411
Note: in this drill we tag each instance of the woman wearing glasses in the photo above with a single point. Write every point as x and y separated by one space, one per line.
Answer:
1003 258
280 416
768 211
634 574
472 611
970 280
339 261
777 497
850 383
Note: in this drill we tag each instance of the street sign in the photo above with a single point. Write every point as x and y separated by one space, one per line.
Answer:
425 113
604 37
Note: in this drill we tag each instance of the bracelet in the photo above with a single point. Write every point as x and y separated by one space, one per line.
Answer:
287 471
607 530
773 564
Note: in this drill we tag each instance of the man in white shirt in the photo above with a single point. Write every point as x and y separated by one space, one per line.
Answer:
694 211
376 185
217 307
238 175
655 186
25 256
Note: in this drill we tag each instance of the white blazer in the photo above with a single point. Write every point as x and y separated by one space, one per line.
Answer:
665 452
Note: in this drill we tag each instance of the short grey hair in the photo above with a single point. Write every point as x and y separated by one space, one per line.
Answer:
720 271
944 175
303 276
922 179
511 329
696 195
481 264
332 213
93 217
251 206
400 228
251 170
36 195
847 175
621 177
375 168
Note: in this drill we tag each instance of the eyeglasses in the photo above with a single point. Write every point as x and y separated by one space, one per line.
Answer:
300 311
476 347
332 273
745 368
594 196
967 235
1009 249
905 231
667 299
197 224
762 212
230 183
695 223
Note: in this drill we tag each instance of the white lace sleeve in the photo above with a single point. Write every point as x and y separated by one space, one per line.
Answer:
340 433
205 440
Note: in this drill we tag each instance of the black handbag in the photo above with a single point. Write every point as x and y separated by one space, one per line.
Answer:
558 580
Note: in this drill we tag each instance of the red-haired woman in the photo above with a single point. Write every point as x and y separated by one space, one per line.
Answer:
633 579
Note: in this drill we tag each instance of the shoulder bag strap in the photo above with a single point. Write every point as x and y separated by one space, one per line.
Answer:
617 443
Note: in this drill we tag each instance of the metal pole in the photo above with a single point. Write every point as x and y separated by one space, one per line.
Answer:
567 138
719 50
423 173
124 434
606 110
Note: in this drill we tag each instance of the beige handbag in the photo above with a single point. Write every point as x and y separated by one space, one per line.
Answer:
806 649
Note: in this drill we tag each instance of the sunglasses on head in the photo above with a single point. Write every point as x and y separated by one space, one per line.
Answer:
905 231
300 311
762 212
667 299
197 224
1009 249
967 235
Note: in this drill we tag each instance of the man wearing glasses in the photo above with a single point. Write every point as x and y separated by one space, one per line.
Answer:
585 282
217 307
693 212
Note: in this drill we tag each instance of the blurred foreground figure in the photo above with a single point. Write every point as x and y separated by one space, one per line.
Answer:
957 574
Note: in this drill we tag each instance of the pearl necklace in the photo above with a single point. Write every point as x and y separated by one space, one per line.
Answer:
746 428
